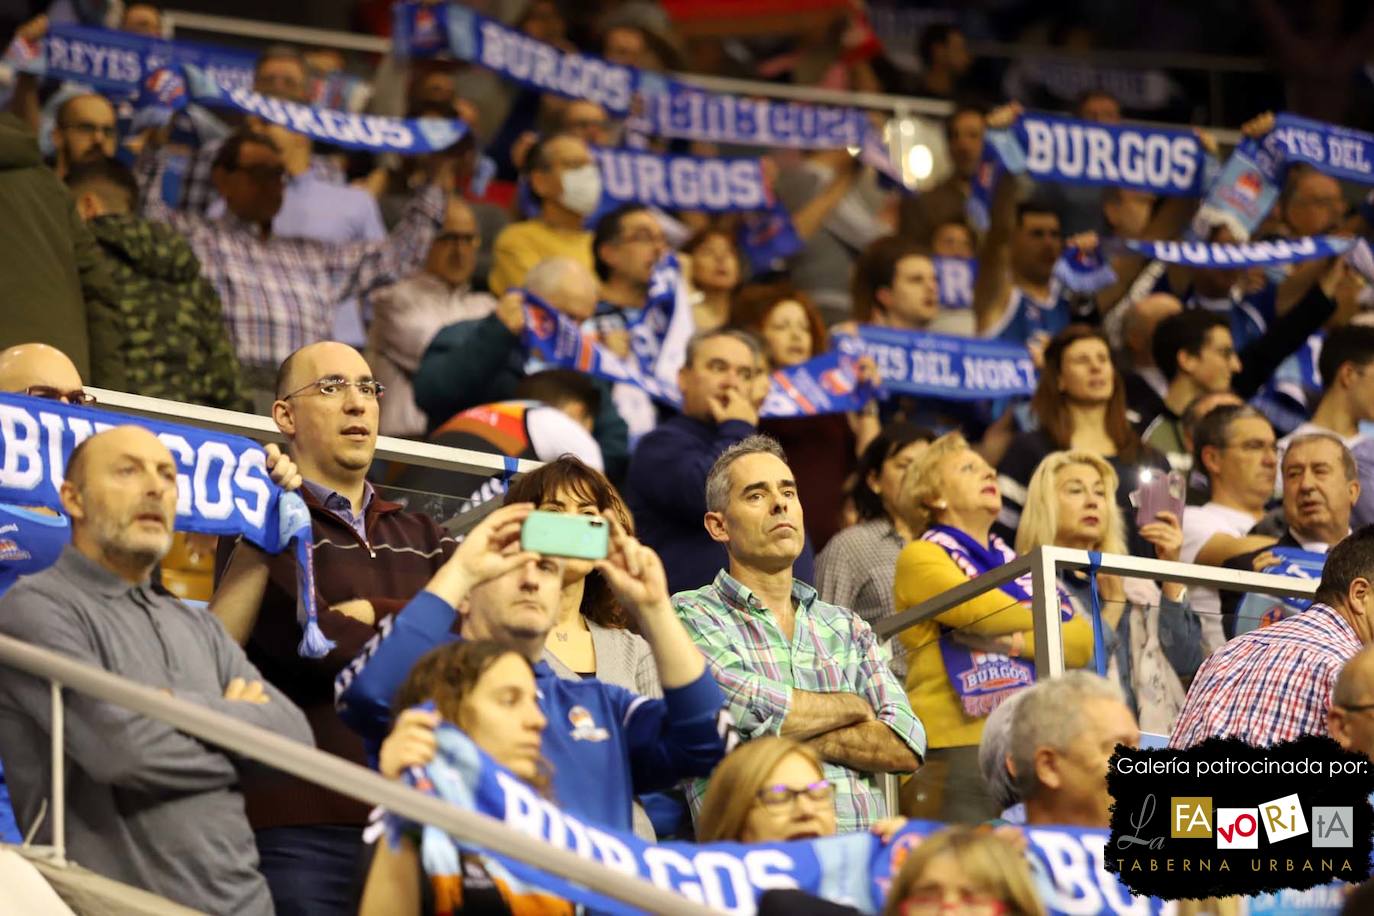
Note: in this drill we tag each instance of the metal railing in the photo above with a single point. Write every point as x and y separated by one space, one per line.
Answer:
316 767
1045 564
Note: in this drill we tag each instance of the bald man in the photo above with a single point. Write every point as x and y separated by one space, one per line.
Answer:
370 558
148 805
31 539
1350 720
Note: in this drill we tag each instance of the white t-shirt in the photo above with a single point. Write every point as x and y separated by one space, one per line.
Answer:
1199 524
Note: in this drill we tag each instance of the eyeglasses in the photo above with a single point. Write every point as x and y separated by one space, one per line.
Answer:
335 385
459 238
48 393
264 174
928 904
779 796
644 237
1362 707
90 129
1255 445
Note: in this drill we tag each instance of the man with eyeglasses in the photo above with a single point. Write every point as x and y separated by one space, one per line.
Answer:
1236 448
1351 718
281 294
1276 683
408 314
370 558
86 131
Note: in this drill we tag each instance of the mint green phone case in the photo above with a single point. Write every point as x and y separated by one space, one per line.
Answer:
554 534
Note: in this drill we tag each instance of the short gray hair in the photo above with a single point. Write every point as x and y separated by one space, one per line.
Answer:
1048 716
744 337
718 479
1352 472
993 749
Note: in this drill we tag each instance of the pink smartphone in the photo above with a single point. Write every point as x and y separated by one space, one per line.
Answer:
1159 491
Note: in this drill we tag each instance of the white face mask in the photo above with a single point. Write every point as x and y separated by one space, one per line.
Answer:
581 189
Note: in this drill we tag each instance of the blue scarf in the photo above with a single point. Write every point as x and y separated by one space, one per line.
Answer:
983 680
1259 610
1242 254
825 384
682 182
854 869
666 107
941 366
165 76
768 238
119 62
223 487
1070 151
954 279
1083 271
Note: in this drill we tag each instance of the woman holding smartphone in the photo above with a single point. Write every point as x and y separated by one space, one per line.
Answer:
1154 637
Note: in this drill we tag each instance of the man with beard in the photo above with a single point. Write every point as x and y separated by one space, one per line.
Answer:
147 805
86 131
370 559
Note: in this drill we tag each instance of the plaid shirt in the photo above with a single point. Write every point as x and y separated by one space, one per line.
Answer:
1269 685
857 569
280 294
832 651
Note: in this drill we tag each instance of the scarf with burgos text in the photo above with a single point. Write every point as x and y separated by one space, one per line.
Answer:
655 104
855 869
223 487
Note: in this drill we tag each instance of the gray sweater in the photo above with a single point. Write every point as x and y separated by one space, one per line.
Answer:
147 805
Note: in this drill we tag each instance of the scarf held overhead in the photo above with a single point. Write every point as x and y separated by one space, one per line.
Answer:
223 487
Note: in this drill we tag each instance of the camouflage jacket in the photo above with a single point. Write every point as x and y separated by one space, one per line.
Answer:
172 342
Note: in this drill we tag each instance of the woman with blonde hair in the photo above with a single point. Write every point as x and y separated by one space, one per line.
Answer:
770 790
965 870
963 662
1154 637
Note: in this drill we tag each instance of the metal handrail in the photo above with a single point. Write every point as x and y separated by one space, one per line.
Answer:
404 451
901 105
1044 565
322 769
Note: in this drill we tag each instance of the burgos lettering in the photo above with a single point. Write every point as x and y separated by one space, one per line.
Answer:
1091 153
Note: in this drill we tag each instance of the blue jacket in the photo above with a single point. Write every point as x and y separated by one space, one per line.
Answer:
666 493
605 744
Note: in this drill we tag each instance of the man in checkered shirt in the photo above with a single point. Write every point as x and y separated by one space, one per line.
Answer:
789 663
1275 683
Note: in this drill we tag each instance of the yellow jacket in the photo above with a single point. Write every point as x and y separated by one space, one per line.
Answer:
520 246
925 570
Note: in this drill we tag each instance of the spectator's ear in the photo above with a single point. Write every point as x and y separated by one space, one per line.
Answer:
715 527
1210 463
1336 726
89 206
283 417
1047 768
883 296
72 502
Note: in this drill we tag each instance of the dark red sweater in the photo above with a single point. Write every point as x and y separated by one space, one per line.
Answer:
401 553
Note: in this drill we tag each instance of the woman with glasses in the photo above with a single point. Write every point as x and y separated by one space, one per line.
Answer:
770 790
489 692
964 871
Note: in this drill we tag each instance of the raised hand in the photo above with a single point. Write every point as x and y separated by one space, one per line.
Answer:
1004 115
634 573
490 550
732 405
410 744
1258 126
1166 534
281 468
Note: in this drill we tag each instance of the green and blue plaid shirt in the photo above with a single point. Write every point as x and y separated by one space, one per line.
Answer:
832 651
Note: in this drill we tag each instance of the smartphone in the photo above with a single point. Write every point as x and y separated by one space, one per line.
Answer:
556 534
1159 491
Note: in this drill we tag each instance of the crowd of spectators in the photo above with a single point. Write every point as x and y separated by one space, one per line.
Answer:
716 675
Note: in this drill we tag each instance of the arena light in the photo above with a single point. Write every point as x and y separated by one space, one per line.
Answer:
920 162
